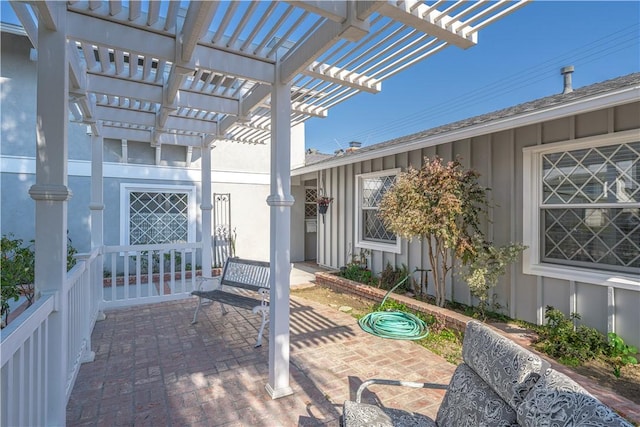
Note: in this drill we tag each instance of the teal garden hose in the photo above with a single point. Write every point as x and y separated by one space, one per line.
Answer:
396 325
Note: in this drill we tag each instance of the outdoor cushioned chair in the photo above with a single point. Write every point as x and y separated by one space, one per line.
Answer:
498 384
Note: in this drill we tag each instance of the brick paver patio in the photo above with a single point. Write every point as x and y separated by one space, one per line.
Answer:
153 368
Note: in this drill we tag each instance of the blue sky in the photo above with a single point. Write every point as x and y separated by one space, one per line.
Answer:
517 59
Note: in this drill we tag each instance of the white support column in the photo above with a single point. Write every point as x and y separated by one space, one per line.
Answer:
125 152
96 206
51 196
280 201
97 202
206 207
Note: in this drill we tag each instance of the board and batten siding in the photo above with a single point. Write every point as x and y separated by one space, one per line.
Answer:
498 157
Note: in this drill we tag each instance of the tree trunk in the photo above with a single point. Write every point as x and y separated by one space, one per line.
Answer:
435 270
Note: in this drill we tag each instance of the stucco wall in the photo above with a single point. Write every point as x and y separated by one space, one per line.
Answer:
499 159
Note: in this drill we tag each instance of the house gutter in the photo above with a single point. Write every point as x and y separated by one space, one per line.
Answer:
597 102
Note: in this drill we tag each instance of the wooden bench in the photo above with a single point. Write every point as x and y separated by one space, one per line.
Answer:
239 274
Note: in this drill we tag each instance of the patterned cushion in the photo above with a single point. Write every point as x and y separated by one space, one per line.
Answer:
364 415
471 402
557 401
510 369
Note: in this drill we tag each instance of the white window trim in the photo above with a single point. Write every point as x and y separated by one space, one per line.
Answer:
126 188
531 206
396 247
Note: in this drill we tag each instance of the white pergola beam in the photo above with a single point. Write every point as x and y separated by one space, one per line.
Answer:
211 103
343 77
129 39
121 115
195 26
354 27
22 13
192 125
257 96
150 44
146 118
415 14
115 132
142 135
153 93
231 64
122 87
333 10
77 72
177 139
45 14
304 55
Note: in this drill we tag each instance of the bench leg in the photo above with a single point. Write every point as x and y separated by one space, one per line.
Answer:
264 310
195 315
223 308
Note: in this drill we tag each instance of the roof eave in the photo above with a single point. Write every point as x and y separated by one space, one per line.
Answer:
584 105
6 27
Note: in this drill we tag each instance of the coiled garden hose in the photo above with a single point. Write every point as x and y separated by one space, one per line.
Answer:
395 325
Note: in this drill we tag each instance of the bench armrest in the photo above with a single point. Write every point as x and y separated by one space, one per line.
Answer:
412 384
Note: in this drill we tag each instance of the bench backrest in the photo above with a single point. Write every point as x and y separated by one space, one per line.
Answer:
246 274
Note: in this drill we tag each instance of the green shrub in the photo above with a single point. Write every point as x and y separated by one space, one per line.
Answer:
620 354
18 271
560 339
358 274
17 276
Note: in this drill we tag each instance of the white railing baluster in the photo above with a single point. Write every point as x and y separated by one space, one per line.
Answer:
114 276
172 269
138 274
126 276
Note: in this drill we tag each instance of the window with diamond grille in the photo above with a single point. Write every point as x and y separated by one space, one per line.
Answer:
310 206
590 207
372 188
158 217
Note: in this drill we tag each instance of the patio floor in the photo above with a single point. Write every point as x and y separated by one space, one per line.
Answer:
154 368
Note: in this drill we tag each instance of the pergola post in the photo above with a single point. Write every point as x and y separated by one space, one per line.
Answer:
205 208
97 199
280 201
96 206
51 196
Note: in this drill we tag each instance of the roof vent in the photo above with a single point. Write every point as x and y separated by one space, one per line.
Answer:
566 72
353 146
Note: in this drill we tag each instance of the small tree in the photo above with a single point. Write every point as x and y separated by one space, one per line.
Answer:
441 203
17 273
486 267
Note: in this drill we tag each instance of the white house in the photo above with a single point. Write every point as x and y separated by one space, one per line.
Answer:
565 177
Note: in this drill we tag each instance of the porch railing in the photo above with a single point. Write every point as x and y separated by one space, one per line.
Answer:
29 383
144 274
28 341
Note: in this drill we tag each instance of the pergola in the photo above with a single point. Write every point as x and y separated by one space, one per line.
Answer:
197 72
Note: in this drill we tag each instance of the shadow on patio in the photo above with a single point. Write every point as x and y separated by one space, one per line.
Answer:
154 368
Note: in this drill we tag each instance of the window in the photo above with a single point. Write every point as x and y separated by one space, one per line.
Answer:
588 204
310 205
372 233
156 215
